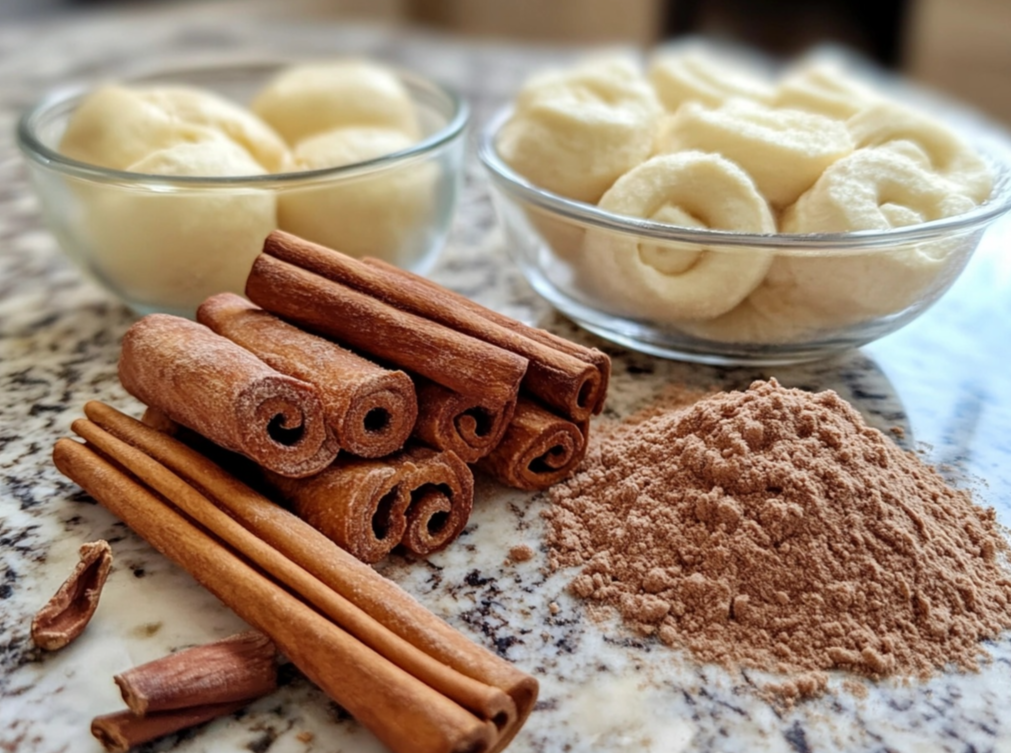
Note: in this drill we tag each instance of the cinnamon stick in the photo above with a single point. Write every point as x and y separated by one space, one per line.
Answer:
600 360
69 611
440 488
211 385
570 385
371 410
356 503
539 449
461 363
240 667
402 711
466 425
379 599
123 730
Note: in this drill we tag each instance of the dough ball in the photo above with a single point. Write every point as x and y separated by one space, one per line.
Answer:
575 132
382 214
824 87
784 151
205 108
114 127
311 99
700 75
949 156
171 250
675 281
872 189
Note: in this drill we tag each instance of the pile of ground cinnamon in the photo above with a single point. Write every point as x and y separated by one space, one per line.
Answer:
774 529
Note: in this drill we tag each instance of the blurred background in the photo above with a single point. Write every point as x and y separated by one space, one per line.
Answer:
962 47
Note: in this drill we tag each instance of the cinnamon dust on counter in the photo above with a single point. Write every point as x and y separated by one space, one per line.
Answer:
774 529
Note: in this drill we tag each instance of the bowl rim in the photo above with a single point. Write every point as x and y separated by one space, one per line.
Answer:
512 182
47 157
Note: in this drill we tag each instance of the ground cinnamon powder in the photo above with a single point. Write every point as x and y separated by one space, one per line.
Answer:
774 529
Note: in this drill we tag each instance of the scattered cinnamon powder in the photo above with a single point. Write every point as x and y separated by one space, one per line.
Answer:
774 529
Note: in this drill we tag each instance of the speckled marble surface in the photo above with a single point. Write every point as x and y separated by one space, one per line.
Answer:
944 379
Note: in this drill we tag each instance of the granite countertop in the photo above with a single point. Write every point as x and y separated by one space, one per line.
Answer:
944 380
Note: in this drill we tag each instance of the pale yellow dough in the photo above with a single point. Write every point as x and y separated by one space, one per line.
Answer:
174 250
872 189
116 127
825 87
696 74
784 151
380 214
575 132
949 156
308 100
679 281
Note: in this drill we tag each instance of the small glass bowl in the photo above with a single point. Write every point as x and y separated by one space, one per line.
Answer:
832 291
165 243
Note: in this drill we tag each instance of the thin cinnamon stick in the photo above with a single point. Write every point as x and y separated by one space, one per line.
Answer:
539 449
454 360
211 385
566 383
123 730
466 425
356 503
371 410
440 487
402 711
378 598
240 667
69 611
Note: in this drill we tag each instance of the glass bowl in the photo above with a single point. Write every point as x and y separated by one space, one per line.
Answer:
824 293
165 243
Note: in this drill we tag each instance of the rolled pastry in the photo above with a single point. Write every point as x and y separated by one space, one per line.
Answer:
197 242
784 151
824 87
117 127
382 214
699 75
949 156
872 189
679 281
310 99
575 132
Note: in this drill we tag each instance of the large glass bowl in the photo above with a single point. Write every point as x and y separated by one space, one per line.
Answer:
165 243
844 290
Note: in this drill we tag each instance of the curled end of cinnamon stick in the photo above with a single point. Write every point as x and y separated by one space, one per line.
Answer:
356 503
463 424
539 449
70 609
441 489
380 416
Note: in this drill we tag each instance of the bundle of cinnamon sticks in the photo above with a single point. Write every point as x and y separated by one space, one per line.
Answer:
409 677
339 374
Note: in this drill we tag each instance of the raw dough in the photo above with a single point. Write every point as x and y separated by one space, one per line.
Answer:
172 250
949 156
575 132
784 151
307 100
696 74
380 214
824 87
679 281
